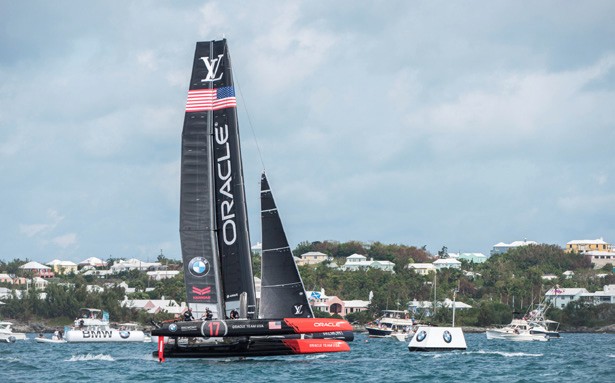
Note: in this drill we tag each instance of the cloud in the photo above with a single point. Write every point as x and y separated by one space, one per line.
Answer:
36 229
66 240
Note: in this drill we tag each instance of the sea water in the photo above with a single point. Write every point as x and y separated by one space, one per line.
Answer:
573 358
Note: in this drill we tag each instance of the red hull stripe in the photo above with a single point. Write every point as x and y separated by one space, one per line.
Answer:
314 346
308 325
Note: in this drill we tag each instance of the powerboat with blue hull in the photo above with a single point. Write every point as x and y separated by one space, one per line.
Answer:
215 244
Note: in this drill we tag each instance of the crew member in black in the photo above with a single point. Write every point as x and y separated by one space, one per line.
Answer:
208 314
234 314
188 315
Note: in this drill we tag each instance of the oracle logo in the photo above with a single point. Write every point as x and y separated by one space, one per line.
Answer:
328 324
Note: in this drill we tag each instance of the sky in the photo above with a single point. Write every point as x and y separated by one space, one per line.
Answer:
423 123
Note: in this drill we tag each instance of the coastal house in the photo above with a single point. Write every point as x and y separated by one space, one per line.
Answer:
154 306
133 264
470 257
37 269
501 248
601 258
447 263
62 267
585 245
159 275
359 262
90 270
334 305
39 283
422 268
312 258
607 295
559 297
355 306
5 278
92 261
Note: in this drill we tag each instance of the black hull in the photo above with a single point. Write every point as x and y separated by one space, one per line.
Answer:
249 347
235 349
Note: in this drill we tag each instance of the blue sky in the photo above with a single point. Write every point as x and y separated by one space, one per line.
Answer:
458 124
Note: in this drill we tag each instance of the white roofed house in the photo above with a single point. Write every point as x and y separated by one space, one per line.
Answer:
38 269
559 297
133 264
356 262
360 262
607 295
62 267
500 248
92 261
585 245
5 278
422 268
312 258
601 258
154 306
447 263
39 283
158 275
470 257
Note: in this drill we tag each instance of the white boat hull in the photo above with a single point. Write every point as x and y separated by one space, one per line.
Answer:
516 337
107 335
47 340
438 339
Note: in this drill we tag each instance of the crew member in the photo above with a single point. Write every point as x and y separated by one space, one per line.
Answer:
188 315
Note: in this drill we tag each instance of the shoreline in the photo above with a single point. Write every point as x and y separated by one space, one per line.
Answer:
41 327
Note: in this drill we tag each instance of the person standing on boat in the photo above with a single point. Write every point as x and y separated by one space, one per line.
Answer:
234 314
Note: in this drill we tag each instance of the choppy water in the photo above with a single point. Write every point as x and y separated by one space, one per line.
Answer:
573 358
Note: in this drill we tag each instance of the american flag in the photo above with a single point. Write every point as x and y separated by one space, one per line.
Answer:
275 325
200 100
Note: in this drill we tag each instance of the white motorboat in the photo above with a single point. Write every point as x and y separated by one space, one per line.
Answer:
93 326
392 323
518 330
532 327
7 335
53 339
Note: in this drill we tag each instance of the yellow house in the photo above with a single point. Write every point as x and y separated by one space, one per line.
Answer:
585 245
62 267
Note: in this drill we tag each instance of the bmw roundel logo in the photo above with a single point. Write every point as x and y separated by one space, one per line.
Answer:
447 336
172 327
421 336
124 334
199 266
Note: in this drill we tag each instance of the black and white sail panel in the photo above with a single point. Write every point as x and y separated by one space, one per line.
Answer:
282 291
213 220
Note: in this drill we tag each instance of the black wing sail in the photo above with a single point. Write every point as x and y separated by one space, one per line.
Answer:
213 220
282 291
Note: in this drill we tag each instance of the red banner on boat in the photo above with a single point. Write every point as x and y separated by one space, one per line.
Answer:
313 346
309 325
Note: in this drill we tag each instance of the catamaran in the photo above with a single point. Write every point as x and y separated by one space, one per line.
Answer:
215 243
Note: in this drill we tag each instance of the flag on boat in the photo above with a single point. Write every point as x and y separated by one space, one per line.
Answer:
200 100
275 325
105 316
